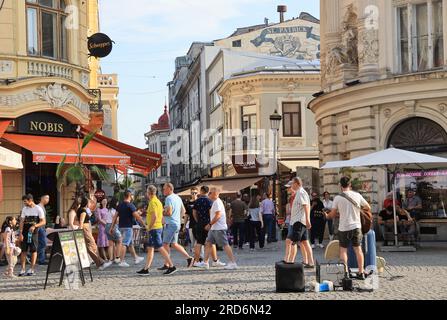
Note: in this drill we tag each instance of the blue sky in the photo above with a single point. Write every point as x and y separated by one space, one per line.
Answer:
150 34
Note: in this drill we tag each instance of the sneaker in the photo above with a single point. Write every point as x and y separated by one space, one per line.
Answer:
22 273
203 265
138 260
123 264
170 271
106 264
321 245
218 263
30 273
197 264
189 262
313 246
164 268
143 272
117 260
361 276
231 266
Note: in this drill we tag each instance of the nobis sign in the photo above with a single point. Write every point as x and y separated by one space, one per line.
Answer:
99 45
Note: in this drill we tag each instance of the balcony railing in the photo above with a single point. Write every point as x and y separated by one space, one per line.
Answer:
37 68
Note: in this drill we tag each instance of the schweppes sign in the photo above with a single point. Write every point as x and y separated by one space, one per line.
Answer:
99 45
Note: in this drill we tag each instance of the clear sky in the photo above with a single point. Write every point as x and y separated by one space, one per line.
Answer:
150 34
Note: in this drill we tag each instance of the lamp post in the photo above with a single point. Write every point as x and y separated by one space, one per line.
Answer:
275 123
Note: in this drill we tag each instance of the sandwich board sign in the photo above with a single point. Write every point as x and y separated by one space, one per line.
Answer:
65 255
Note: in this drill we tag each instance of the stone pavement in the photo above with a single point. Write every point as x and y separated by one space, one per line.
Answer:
424 276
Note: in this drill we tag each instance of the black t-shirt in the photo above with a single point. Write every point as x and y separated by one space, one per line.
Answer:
317 208
385 215
189 207
125 213
78 215
203 205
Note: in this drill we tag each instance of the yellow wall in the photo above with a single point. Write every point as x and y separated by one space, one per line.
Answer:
12 194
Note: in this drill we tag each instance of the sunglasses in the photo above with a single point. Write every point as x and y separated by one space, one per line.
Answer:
194 193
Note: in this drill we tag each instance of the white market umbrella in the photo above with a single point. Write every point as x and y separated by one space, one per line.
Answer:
392 160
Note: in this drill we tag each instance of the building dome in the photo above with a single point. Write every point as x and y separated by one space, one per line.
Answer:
163 122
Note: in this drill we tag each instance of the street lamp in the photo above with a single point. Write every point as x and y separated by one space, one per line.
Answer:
275 123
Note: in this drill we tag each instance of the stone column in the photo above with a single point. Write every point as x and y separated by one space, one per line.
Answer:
330 35
444 18
368 45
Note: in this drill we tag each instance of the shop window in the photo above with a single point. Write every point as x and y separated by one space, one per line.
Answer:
292 119
47 34
420 36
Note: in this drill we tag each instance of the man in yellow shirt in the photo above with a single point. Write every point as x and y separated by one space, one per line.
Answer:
155 228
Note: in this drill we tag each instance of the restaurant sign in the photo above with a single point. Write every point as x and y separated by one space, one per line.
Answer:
99 45
247 163
45 124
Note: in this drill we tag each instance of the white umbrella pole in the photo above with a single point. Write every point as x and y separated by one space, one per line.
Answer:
396 243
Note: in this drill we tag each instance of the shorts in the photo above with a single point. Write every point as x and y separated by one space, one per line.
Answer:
127 234
354 236
170 233
297 232
116 234
200 234
218 237
155 239
32 247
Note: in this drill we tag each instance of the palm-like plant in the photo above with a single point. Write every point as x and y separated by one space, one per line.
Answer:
78 172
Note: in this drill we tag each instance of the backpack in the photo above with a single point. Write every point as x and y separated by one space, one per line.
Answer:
366 218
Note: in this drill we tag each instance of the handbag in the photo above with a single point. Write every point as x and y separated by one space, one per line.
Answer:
366 218
17 251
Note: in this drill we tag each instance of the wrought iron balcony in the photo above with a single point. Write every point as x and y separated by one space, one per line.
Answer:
96 104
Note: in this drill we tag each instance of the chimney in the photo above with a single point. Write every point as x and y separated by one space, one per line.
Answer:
282 10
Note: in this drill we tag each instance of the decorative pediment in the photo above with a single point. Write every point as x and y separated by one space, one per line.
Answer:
56 95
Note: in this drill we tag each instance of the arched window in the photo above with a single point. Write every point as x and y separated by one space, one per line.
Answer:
47 35
419 135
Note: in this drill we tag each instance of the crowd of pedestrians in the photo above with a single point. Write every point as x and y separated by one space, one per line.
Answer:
210 225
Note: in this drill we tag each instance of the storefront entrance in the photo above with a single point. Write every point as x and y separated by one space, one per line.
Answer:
424 136
40 179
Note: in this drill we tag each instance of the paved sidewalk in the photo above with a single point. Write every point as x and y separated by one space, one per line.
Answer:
424 277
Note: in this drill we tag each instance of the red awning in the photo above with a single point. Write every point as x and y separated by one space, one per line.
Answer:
141 160
53 149
4 124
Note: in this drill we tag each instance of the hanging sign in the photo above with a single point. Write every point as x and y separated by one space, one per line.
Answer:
99 45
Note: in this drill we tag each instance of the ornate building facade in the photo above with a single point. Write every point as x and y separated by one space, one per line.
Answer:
49 95
384 83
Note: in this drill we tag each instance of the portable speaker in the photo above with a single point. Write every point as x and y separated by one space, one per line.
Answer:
289 277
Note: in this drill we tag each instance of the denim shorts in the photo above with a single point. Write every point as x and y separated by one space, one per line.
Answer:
127 236
170 233
155 240
297 232
116 234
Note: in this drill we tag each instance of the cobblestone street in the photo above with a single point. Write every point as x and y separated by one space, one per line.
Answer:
424 277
